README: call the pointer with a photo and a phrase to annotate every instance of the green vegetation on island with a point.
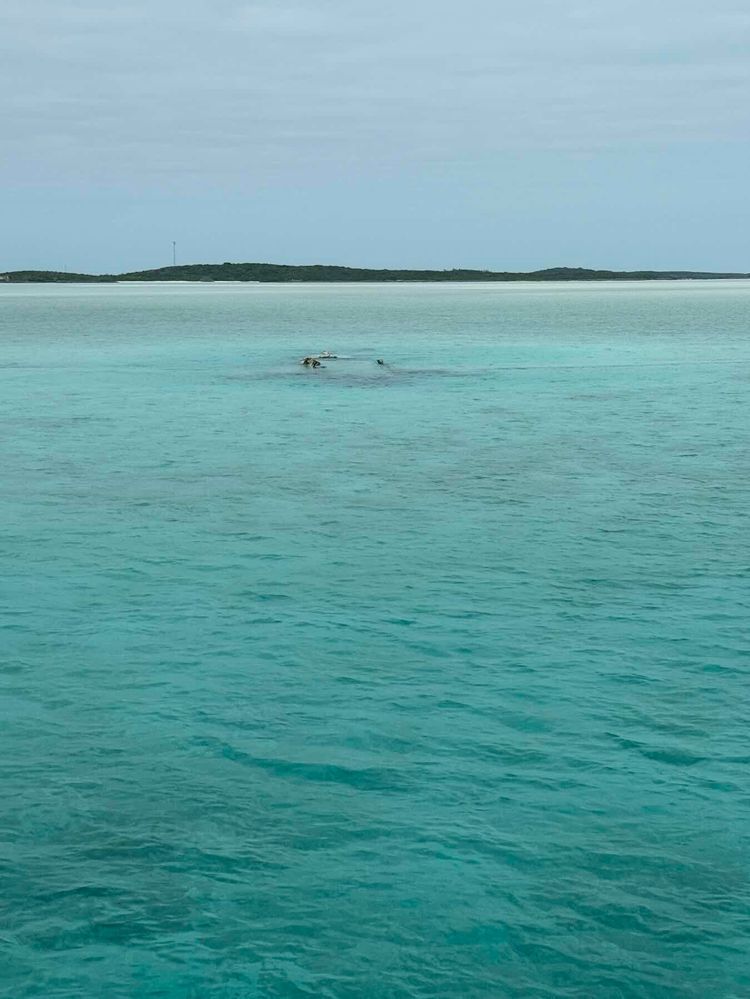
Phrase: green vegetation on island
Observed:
(279, 273)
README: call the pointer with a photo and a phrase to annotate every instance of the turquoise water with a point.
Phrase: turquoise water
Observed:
(422, 681)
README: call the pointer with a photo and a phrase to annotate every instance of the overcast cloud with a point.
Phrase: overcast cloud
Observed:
(420, 132)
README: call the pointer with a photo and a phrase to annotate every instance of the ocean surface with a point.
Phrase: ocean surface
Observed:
(425, 680)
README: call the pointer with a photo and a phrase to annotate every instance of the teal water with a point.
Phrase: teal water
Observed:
(423, 681)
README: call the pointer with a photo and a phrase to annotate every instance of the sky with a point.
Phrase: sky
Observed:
(402, 133)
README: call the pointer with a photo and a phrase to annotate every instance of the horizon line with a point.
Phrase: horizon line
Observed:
(274, 273)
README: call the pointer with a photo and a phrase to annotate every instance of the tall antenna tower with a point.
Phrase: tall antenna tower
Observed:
(174, 253)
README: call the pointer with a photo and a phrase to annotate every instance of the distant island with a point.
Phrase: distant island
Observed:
(280, 273)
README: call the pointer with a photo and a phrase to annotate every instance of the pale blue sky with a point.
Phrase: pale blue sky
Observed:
(418, 133)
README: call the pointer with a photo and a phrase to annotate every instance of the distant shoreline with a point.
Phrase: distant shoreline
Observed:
(322, 273)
